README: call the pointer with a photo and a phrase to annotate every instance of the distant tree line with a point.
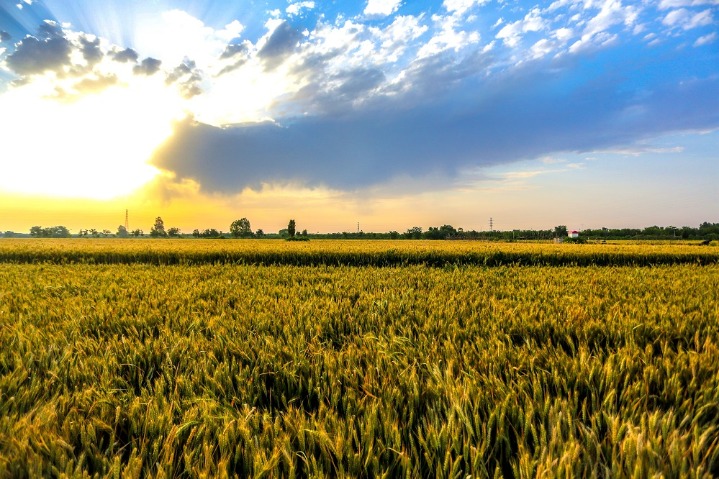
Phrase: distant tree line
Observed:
(704, 231)
(241, 228)
(50, 232)
(444, 232)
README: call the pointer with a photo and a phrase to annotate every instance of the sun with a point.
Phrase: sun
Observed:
(95, 146)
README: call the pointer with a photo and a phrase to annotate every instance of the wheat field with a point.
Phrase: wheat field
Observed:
(116, 364)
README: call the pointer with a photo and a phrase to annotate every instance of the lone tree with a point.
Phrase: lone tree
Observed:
(158, 229)
(241, 228)
(291, 228)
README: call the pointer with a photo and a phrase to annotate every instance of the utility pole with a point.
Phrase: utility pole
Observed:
(127, 221)
(491, 225)
(358, 227)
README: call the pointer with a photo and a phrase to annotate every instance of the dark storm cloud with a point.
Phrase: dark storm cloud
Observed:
(126, 55)
(49, 29)
(183, 69)
(359, 81)
(148, 66)
(188, 76)
(50, 50)
(233, 66)
(347, 87)
(468, 123)
(34, 56)
(91, 50)
(5, 36)
(238, 53)
(340, 93)
(280, 45)
(234, 49)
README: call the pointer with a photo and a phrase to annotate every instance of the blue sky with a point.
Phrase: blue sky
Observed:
(391, 112)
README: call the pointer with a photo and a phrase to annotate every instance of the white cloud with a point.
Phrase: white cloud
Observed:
(595, 42)
(344, 46)
(597, 30)
(706, 39)
(541, 48)
(701, 19)
(328, 38)
(558, 4)
(563, 34)
(511, 34)
(395, 38)
(448, 37)
(545, 46)
(533, 21)
(458, 7)
(382, 7)
(642, 150)
(611, 13)
(295, 8)
(687, 20)
(676, 17)
(667, 4)
(245, 95)
(176, 35)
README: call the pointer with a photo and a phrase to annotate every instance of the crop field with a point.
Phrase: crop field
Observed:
(348, 253)
(195, 358)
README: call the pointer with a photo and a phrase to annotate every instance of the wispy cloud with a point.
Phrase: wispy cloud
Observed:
(381, 7)
(706, 39)
(294, 9)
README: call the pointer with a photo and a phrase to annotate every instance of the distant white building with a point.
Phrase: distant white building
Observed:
(573, 234)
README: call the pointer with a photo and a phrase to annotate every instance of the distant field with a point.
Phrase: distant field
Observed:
(194, 358)
(348, 252)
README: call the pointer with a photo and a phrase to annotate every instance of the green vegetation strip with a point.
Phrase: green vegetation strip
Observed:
(283, 371)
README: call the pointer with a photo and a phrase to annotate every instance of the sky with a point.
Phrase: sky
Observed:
(377, 114)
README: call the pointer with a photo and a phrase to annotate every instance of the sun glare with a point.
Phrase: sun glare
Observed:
(93, 146)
